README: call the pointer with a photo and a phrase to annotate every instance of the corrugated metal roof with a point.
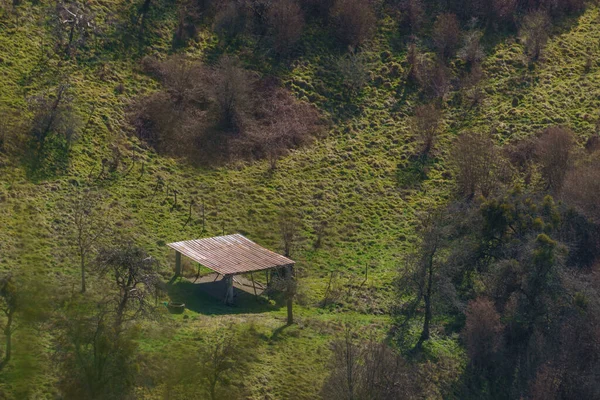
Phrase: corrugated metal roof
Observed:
(231, 254)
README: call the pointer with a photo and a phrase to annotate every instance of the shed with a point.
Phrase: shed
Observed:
(228, 256)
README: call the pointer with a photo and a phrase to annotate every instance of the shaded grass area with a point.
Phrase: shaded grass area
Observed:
(350, 179)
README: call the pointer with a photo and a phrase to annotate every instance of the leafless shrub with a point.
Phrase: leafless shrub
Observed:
(426, 124)
(433, 77)
(413, 15)
(354, 21)
(471, 51)
(582, 188)
(354, 68)
(286, 20)
(188, 15)
(232, 91)
(446, 35)
(477, 164)
(223, 113)
(368, 371)
(554, 150)
(135, 278)
(231, 20)
(74, 24)
(482, 332)
(534, 33)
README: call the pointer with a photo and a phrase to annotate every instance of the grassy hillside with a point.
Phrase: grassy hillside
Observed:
(349, 178)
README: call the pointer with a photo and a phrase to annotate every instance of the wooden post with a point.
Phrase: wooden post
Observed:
(253, 285)
(290, 293)
(177, 264)
(228, 289)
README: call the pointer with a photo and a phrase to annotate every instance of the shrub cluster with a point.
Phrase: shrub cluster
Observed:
(222, 113)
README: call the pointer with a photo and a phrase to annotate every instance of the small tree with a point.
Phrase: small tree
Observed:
(354, 21)
(425, 124)
(477, 164)
(76, 22)
(446, 35)
(482, 332)
(354, 69)
(286, 20)
(554, 152)
(425, 272)
(581, 189)
(232, 91)
(135, 277)
(471, 51)
(52, 129)
(534, 33)
(368, 370)
(231, 20)
(9, 305)
(90, 222)
(96, 360)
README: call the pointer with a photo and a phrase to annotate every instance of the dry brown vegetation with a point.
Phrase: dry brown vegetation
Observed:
(221, 114)
(354, 21)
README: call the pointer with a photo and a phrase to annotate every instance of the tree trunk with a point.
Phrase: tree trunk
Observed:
(82, 273)
(177, 264)
(290, 310)
(427, 299)
(8, 335)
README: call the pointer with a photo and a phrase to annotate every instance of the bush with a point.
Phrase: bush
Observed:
(554, 150)
(433, 77)
(286, 21)
(231, 90)
(354, 69)
(534, 34)
(213, 115)
(446, 35)
(582, 188)
(425, 124)
(51, 132)
(471, 51)
(482, 332)
(369, 371)
(477, 164)
(354, 21)
(231, 20)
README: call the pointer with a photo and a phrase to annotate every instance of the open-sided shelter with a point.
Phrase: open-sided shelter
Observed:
(229, 256)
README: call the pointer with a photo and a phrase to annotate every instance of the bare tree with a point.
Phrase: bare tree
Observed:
(354, 21)
(354, 68)
(75, 21)
(554, 151)
(446, 35)
(482, 332)
(9, 304)
(96, 359)
(232, 92)
(286, 20)
(363, 369)
(135, 277)
(90, 222)
(425, 124)
(581, 188)
(425, 276)
(224, 356)
(534, 33)
(471, 51)
(478, 164)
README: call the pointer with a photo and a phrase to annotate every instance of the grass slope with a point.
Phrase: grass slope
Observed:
(348, 178)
